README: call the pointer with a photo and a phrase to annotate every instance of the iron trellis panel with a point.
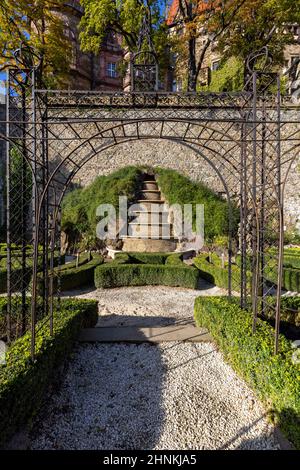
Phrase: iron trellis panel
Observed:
(238, 134)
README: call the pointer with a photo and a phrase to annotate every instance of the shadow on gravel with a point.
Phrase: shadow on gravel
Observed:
(142, 321)
(109, 398)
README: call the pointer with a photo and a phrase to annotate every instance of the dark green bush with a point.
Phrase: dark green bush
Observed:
(289, 312)
(122, 258)
(178, 189)
(23, 382)
(174, 259)
(290, 278)
(17, 271)
(291, 274)
(275, 379)
(71, 278)
(117, 275)
(214, 273)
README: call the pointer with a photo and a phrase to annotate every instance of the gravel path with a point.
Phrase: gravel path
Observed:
(145, 306)
(170, 396)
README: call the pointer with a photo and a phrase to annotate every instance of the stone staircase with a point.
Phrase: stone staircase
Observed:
(149, 227)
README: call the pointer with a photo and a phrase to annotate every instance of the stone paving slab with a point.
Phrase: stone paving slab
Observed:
(132, 334)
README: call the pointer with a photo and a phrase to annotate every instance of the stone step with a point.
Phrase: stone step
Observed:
(145, 236)
(132, 334)
(148, 202)
(150, 185)
(150, 230)
(149, 245)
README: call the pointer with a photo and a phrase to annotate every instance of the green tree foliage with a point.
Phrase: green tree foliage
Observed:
(260, 23)
(123, 18)
(37, 25)
(199, 25)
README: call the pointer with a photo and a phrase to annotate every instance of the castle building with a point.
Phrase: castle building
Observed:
(90, 71)
(213, 57)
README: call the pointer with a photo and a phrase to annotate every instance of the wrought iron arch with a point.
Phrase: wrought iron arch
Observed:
(241, 131)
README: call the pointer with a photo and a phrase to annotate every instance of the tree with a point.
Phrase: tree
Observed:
(201, 24)
(38, 26)
(123, 18)
(260, 23)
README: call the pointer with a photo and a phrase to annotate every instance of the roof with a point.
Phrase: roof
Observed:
(174, 8)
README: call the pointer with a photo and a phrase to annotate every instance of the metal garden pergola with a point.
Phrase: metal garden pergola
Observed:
(248, 138)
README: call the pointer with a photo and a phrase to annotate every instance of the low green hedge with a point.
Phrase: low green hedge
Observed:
(290, 278)
(289, 312)
(122, 258)
(275, 379)
(174, 259)
(214, 273)
(72, 277)
(23, 382)
(118, 275)
(291, 271)
(17, 270)
(291, 257)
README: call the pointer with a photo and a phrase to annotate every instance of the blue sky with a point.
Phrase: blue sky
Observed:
(2, 84)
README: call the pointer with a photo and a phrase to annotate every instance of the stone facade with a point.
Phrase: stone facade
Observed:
(166, 154)
(90, 71)
(213, 57)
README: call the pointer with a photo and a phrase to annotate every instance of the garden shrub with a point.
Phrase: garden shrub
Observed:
(23, 382)
(17, 270)
(289, 311)
(122, 258)
(174, 259)
(79, 206)
(71, 278)
(290, 278)
(214, 273)
(275, 379)
(178, 189)
(117, 275)
(291, 271)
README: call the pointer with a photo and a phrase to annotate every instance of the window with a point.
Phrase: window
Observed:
(111, 69)
(215, 65)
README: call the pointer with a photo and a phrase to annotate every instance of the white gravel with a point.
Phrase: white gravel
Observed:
(171, 396)
(168, 396)
(145, 306)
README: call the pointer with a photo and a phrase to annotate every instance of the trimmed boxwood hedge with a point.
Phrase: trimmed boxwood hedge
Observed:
(118, 275)
(174, 259)
(289, 312)
(214, 273)
(291, 257)
(72, 277)
(23, 382)
(275, 379)
(291, 271)
(17, 271)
